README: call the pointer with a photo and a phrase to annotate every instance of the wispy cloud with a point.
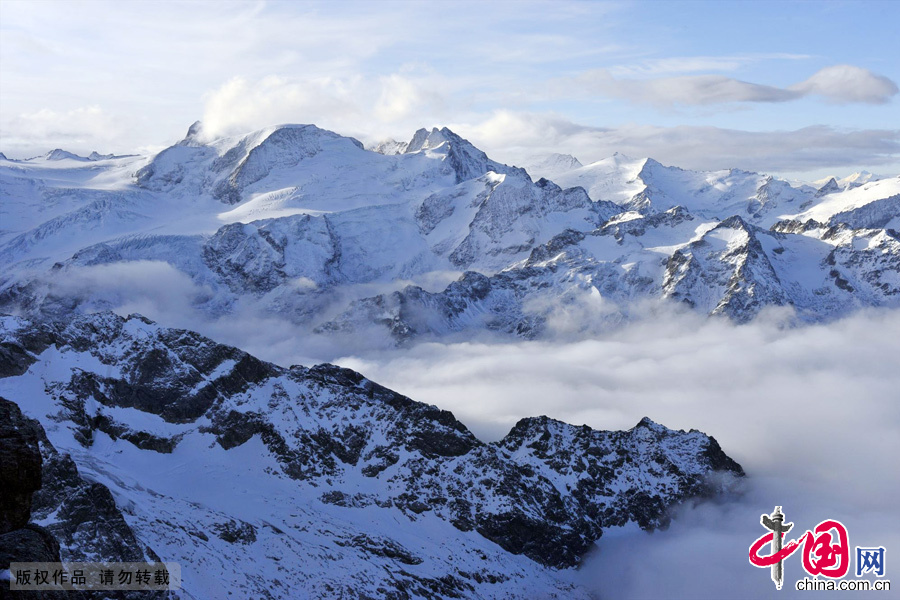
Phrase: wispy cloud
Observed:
(368, 107)
(692, 64)
(686, 90)
(839, 83)
(846, 84)
(82, 129)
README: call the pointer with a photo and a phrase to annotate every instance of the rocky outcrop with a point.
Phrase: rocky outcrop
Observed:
(466, 161)
(80, 520)
(20, 477)
(20, 466)
(546, 491)
(83, 516)
(595, 466)
(726, 272)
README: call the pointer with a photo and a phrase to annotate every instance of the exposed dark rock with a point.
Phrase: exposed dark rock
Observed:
(20, 466)
(86, 525)
(545, 491)
(33, 543)
(234, 532)
(14, 360)
(30, 543)
(382, 547)
(602, 461)
(86, 520)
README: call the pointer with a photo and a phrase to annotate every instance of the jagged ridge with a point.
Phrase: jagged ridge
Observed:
(344, 440)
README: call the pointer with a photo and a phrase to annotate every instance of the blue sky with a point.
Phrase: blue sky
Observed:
(800, 89)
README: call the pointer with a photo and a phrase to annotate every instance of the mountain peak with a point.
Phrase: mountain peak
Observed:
(59, 154)
(194, 132)
(648, 423)
(552, 165)
(830, 187)
(466, 160)
(622, 157)
(389, 147)
(857, 179)
(427, 140)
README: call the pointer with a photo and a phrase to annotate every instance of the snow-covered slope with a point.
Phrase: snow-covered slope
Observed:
(646, 186)
(551, 166)
(316, 482)
(307, 225)
(868, 205)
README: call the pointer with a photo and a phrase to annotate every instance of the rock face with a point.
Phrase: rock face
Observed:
(79, 520)
(20, 466)
(594, 466)
(20, 476)
(132, 401)
(83, 516)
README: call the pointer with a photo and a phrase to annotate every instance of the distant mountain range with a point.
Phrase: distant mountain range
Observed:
(304, 223)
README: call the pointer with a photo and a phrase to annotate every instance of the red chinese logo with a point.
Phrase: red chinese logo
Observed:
(826, 549)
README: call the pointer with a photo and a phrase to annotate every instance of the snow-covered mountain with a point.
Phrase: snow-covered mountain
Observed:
(432, 237)
(315, 481)
(549, 167)
(274, 482)
(832, 184)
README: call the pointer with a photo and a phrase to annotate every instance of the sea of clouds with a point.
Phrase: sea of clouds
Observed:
(812, 412)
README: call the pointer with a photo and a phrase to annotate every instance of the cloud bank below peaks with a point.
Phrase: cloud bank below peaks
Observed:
(809, 412)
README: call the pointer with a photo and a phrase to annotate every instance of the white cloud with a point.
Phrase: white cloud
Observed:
(847, 84)
(240, 105)
(809, 412)
(83, 129)
(839, 83)
(150, 287)
(346, 67)
(370, 108)
(687, 90)
(403, 98)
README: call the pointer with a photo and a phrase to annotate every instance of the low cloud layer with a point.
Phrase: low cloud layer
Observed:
(82, 128)
(810, 413)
